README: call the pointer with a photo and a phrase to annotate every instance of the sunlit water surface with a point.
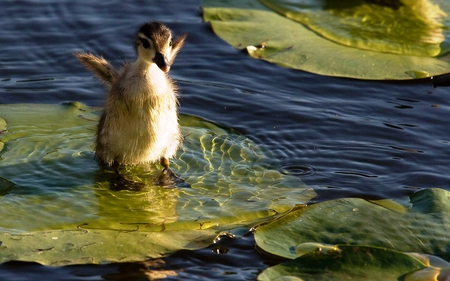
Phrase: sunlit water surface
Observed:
(344, 138)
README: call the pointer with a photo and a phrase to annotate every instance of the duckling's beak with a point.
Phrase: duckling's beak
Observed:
(162, 62)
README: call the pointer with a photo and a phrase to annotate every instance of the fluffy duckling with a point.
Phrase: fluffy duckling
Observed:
(139, 123)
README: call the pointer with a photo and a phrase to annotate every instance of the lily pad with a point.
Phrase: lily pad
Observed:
(265, 34)
(400, 27)
(58, 208)
(345, 262)
(423, 228)
(81, 246)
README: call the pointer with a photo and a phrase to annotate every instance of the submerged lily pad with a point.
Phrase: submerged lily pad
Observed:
(59, 209)
(423, 228)
(248, 24)
(345, 262)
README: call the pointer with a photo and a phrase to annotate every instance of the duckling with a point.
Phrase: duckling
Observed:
(139, 123)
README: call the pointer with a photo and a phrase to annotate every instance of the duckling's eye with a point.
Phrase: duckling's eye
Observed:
(170, 44)
(145, 43)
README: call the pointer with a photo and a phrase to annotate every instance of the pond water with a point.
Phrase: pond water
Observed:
(342, 137)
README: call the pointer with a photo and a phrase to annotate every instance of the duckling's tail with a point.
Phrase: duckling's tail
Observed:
(101, 68)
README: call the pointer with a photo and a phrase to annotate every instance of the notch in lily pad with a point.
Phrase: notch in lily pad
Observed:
(306, 35)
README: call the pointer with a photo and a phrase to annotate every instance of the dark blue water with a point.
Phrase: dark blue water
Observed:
(342, 137)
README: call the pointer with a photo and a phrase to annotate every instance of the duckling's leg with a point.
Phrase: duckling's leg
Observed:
(121, 183)
(167, 176)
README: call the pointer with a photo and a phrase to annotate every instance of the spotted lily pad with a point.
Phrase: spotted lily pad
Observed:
(58, 208)
(267, 33)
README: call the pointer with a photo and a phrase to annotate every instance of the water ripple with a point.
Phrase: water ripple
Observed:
(298, 170)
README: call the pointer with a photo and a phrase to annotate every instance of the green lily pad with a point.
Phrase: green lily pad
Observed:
(81, 246)
(423, 229)
(58, 208)
(265, 34)
(400, 27)
(345, 262)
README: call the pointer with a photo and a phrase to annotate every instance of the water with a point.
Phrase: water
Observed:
(343, 137)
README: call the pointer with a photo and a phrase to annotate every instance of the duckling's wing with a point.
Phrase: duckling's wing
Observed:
(102, 68)
(176, 46)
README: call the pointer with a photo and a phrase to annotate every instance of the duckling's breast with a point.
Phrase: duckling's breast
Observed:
(140, 125)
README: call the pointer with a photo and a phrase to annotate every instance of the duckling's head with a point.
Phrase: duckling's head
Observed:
(154, 44)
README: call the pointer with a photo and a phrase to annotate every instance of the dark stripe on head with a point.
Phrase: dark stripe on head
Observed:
(157, 32)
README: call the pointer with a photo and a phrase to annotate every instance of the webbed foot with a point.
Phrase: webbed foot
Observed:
(169, 179)
(121, 183)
